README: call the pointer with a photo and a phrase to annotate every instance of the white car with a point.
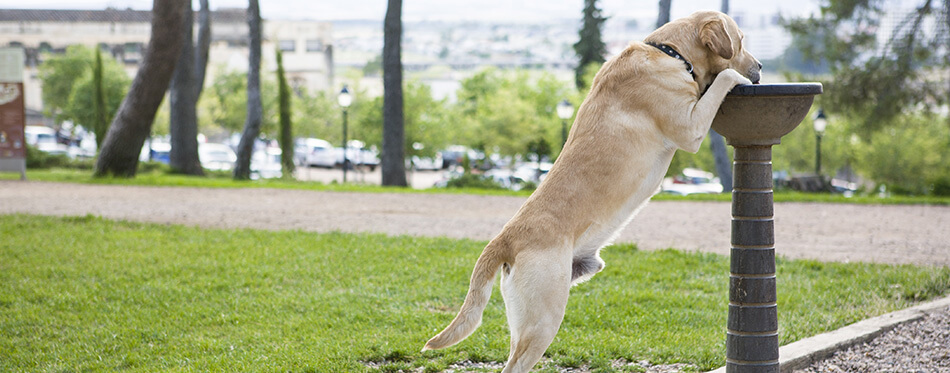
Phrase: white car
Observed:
(427, 163)
(265, 164)
(692, 181)
(315, 152)
(44, 139)
(358, 154)
(216, 157)
(321, 153)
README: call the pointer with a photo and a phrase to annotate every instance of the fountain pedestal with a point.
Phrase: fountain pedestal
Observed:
(752, 119)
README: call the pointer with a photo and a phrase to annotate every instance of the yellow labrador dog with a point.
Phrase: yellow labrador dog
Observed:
(654, 98)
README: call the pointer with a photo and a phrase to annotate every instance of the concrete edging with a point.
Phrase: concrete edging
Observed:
(801, 354)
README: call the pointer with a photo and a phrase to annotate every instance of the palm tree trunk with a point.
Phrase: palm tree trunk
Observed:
(252, 125)
(723, 164)
(663, 16)
(718, 145)
(393, 162)
(133, 122)
(204, 44)
(183, 121)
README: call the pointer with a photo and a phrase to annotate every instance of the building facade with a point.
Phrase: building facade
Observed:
(307, 45)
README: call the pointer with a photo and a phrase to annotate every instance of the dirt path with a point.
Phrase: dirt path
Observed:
(831, 232)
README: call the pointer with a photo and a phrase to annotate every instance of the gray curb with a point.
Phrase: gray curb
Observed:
(801, 354)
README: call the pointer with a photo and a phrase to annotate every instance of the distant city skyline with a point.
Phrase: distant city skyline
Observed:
(451, 10)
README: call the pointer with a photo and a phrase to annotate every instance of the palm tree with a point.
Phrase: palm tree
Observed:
(664, 14)
(252, 125)
(133, 122)
(393, 162)
(183, 96)
(718, 145)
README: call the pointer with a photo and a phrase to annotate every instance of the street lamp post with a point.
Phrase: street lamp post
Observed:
(564, 111)
(344, 99)
(820, 124)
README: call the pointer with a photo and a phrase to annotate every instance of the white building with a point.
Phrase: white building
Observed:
(307, 45)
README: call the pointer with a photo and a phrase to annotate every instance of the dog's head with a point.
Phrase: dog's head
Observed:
(711, 42)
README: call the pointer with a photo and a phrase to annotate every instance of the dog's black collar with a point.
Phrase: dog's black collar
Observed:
(673, 53)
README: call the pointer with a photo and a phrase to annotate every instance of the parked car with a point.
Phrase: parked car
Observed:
(692, 181)
(159, 152)
(533, 171)
(427, 163)
(265, 163)
(216, 157)
(453, 155)
(44, 139)
(506, 178)
(314, 152)
(358, 154)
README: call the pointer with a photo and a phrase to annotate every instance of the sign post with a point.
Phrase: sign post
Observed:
(12, 112)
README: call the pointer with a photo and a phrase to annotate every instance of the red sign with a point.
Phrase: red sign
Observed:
(12, 121)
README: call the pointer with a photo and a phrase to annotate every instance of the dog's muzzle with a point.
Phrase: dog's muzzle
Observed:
(756, 73)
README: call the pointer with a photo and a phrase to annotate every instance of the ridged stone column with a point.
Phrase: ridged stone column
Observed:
(752, 336)
(752, 118)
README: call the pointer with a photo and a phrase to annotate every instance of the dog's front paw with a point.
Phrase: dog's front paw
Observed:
(734, 77)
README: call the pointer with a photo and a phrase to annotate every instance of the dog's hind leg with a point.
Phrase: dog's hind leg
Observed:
(535, 289)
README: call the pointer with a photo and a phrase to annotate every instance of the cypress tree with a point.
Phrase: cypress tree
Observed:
(100, 127)
(590, 48)
(286, 136)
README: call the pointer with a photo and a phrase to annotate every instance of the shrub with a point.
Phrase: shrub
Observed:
(910, 157)
(468, 180)
(39, 159)
(941, 186)
(152, 166)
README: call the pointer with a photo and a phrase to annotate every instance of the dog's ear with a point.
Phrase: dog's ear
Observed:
(715, 37)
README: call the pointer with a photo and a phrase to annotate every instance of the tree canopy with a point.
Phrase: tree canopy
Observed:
(885, 59)
(69, 88)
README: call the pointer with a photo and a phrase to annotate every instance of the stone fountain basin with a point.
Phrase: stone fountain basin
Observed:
(760, 114)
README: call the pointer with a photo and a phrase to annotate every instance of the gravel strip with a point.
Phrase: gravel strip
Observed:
(898, 234)
(918, 346)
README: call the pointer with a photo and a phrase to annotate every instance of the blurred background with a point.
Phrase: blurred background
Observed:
(490, 87)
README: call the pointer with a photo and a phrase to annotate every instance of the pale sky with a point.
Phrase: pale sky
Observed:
(414, 10)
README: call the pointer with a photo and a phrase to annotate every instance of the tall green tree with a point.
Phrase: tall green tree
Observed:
(69, 88)
(394, 138)
(100, 126)
(502, 112)
(880, 71)
(59, 74)
(119, 154)
(252, 124)
(286, 134)
(225, 102)
(590, 48)
(428, 122)
(84, 102)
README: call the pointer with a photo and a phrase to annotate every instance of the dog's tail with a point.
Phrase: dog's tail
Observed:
(470, 316)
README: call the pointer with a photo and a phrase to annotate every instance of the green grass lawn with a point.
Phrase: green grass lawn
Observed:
(88, 294)
(222, 180)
